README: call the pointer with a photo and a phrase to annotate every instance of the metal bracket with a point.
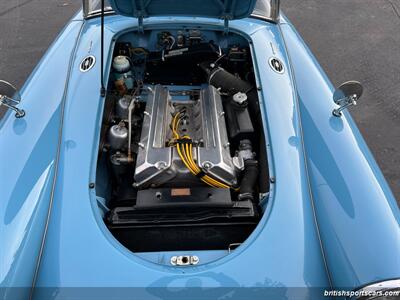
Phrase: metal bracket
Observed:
(226, 24)
(140, 24)
(233, 246)
(184, 260)
(12, 104)
(343, 104)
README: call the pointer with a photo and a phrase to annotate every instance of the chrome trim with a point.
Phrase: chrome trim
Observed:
(97, 13)
(274, 18)
(275, 10)
(393, 283)
(85, 8)
(263, 18)
(378, 287)
(184, 260)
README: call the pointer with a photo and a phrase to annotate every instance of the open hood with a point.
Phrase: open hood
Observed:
(221, 9)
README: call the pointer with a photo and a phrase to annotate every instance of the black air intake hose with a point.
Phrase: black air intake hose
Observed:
(249, 180)
(222, 79)
(250, 172)
(230, 84)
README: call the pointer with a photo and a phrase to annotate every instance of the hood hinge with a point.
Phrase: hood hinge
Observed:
(226, 19)
(140, 23)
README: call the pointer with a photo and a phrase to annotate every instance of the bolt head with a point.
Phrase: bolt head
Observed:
(161, 165)
(207, 165)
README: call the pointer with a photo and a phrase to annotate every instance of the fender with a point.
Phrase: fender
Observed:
(351, 196)
(29, 150)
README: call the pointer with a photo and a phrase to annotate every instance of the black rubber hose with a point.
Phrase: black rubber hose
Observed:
(225, 81)
(249, 180)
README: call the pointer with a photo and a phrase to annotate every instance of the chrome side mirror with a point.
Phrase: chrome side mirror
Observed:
(10, 98)
(345, 95)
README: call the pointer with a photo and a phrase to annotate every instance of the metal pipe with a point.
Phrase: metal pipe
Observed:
(130, 111)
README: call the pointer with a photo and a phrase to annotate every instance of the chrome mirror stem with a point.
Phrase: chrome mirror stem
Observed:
(344, 103)
(347, 94)
(11, 104)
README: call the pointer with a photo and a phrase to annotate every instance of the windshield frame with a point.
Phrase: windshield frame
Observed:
(270, 16)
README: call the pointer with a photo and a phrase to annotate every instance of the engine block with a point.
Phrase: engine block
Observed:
(158, 163)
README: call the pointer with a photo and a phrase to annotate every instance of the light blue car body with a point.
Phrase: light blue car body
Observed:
(330, 220)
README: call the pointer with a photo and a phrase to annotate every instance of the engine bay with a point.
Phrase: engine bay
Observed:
(182, 160)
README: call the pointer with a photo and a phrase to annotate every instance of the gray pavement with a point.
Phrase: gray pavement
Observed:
(352, 39)
(27, 28)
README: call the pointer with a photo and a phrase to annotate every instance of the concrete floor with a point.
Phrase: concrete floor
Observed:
(352, 39)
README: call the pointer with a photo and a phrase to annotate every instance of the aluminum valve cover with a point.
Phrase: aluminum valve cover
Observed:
(158, 163)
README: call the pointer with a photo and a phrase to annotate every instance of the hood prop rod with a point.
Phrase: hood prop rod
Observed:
(102, 89)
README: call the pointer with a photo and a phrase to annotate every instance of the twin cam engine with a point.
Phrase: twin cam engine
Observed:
(182, 142)
(186, 135)
(176, 120)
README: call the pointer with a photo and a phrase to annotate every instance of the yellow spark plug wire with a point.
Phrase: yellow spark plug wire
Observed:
(185, 152)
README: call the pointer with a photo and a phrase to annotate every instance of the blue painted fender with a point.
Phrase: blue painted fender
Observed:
(357, 214)
(28, 151)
